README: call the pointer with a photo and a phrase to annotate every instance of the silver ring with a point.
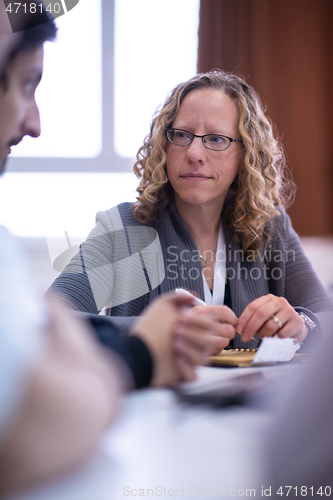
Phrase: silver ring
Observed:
(277, 321)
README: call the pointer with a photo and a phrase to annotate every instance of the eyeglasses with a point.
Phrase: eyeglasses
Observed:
(210, 141)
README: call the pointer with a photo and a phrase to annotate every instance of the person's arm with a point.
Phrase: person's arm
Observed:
(294, 288)
(73, 392)
(166, 343)
(116, 266)
(86, 283)
(304, 291)
(71, 397)
(132, 350)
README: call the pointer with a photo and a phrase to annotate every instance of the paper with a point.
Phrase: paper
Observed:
(274, 349)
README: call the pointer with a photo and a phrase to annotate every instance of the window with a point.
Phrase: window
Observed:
(70, 94)
(94, 123)
(113, 63)
(155, 48)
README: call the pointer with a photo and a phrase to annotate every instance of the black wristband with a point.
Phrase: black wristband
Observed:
(132, 350)
(141, 361)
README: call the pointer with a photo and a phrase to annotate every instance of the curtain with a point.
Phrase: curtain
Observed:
(284, 50)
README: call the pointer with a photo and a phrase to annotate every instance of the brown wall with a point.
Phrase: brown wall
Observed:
(284, 48)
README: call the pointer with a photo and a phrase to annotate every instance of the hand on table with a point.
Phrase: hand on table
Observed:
(177, 338)
(221, 321)
(258, 316)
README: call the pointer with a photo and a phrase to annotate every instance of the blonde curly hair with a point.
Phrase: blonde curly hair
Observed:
(263, 182)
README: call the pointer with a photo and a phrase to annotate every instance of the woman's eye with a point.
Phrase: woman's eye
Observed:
(217, 139)
(180, 135)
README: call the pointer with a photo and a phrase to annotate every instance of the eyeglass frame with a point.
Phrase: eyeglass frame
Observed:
(202, 137)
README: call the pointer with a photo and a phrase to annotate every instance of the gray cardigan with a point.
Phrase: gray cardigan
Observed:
(124, 265)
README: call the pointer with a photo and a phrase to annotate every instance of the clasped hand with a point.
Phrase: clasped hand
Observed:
(257, 317)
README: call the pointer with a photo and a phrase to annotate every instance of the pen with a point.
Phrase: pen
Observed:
(196, 301)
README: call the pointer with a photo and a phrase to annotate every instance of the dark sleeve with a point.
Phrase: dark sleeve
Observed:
(132, 350)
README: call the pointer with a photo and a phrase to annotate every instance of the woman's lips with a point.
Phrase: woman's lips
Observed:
(195, 177)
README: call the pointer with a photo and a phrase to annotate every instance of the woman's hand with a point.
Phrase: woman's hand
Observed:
(221, 323)
(178, 339)
(258, 316)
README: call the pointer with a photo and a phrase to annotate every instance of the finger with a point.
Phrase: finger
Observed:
(219, 333)
(269, 329)
(197, 338)
(193, 322)
(221, 343)
(219, 313)
(262, 321)
(180, 299)
(225, 314)
(186, 372)
(217, 344)
(249, 312)
(213, 345)
(215, 328)
(292, 327)
(196, 327)
(196, 345)
(206, 322)
(190, 353)
(201, 340)
(224, 330)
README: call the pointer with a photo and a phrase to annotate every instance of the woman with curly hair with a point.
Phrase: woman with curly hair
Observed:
(209, 218)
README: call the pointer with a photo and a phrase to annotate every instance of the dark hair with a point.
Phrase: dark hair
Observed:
(36, 29)
(39, 27)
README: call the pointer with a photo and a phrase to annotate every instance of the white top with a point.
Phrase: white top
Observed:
(22, 316)
(217, 298)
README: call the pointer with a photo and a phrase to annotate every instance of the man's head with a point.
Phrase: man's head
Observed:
(19, 115)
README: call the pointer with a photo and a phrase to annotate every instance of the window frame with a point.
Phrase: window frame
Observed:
(108, 160)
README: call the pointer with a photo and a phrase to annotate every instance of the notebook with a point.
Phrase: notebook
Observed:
(271, 350)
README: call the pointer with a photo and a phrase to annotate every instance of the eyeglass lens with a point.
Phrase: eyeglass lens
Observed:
(210, 141)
